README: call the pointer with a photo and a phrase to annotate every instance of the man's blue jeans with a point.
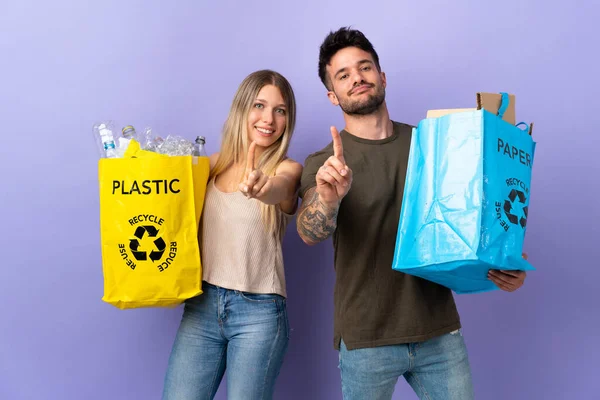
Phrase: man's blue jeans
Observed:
(245, 334)
(437, 369)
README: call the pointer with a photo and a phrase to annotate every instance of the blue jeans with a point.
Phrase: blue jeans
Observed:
(247, 334)
(437, 369)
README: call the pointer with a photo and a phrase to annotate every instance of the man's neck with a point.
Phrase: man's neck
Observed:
(374, 126)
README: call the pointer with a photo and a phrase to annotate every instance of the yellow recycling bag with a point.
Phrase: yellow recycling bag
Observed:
(150, 208)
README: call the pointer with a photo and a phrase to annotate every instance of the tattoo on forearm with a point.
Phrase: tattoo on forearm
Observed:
(316, 222)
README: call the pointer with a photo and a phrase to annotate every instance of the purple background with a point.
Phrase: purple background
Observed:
(175, 66)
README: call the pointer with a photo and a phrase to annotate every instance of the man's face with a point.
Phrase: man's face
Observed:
(357, 87)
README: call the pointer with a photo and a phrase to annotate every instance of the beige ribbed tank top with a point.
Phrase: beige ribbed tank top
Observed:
(237, 251)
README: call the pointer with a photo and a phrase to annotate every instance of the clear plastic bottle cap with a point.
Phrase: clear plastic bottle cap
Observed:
(128, 130)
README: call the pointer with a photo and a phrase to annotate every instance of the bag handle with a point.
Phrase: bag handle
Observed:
(526, 130)
(504, 102)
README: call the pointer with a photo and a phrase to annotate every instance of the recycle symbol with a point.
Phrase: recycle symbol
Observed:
(509, 208)
(159, 243)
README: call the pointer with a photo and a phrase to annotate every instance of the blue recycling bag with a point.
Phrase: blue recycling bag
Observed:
(466, 200)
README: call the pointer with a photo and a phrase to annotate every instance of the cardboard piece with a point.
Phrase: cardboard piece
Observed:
(487, 101)
(491, 102)
(441, 113)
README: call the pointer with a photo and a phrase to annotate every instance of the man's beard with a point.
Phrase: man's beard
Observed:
(365, 107)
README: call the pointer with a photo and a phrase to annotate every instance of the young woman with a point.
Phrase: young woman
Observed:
(239, 323)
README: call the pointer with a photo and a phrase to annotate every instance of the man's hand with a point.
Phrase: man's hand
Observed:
(334, 178)
(509, 281)
(317, 217)
(256, 184)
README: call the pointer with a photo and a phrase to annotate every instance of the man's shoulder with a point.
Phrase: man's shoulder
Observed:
(402, 125)
(321, 154)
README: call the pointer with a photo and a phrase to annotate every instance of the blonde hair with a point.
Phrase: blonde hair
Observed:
(234, 145)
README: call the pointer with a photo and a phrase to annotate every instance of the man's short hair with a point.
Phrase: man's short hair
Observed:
(338, 40)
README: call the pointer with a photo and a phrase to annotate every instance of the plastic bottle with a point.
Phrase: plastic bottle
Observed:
(130, 133)
(105, 140)
(199, 150)
(149, 140)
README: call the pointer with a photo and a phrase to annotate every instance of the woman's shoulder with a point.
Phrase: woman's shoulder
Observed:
(291, 166)
(291, 163)
(213, 159)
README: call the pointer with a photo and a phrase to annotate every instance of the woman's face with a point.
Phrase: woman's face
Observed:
(267, 117)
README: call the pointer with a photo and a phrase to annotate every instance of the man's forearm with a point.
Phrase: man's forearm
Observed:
(316, 221)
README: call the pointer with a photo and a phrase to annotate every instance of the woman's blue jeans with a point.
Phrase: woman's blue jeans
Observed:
(245, 334)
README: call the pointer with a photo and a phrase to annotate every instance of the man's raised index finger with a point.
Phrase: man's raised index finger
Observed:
(338, 149)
